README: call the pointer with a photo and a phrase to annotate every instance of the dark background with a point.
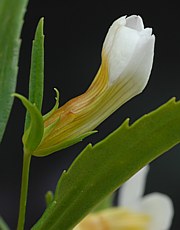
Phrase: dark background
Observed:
(74, 33)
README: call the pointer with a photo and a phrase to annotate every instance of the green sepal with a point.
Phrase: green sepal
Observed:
(46, 116)
(33, 135)
(54, 148)
(49, 129)
(99, 170)
(36, 81)
(3, 225)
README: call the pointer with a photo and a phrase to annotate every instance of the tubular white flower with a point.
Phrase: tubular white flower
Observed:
(157, 206)
(127, 57)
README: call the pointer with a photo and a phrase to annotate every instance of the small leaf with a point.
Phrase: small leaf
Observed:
(11, 21)
(101, 169)
(36, 83)
(33, 135)
(3, 225)
(49, 198)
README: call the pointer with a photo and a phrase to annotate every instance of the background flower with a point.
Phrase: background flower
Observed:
(156, 205)
(134, 212)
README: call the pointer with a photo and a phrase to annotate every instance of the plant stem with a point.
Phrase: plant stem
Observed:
(24, 190)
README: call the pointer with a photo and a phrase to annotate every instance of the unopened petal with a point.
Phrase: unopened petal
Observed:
(133, 190)
(124, 44)
(160, 208)
(125, 41)
(112, 32)
(135, 22)
(137, 72)
(146, 32)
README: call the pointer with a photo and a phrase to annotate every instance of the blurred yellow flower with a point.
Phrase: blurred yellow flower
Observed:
(135, 212)
(115, 219)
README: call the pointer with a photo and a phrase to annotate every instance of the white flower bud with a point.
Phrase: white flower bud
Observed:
(129, 50)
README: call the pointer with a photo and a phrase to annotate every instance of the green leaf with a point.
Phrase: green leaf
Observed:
(3, 225)
(33, 135)
(11, 21)
(101, 169)
(36, 82)
(106, 203)
(49, 198)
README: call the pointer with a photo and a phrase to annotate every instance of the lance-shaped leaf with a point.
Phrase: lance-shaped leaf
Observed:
(33, 135)
(11, 20)
(3, 225)
(36, 82)
(102, 168)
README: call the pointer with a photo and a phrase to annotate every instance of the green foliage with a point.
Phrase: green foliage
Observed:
(49, 197)
(3, 225)
(33, 135)
(101, 169)
(36, 82)
(11, 20)
(34, 126)
(106, 203)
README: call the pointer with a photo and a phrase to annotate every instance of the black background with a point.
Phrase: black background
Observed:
(74, 33)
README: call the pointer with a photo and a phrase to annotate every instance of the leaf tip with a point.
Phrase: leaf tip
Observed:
(40, 28)
(14, 94)
(126, 123)
(19, 96)
(57, 97)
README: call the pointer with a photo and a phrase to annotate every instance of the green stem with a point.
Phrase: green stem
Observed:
(24, 190)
